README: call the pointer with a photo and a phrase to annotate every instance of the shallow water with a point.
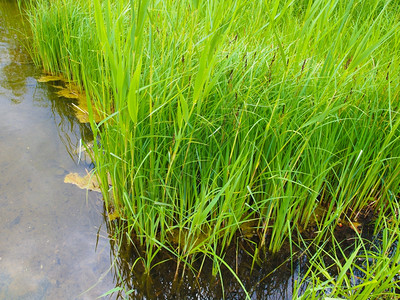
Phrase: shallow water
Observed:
(51, 246)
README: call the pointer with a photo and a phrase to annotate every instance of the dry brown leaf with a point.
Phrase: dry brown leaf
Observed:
(109, 179)
(88, 182)
(72, 91)
(81, 111)
(249, 228)
(67, 93)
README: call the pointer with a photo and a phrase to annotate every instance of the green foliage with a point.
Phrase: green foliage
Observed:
(368, 271)
(217, 113)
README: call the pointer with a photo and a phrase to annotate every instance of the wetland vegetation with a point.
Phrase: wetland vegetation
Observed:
(247, 125)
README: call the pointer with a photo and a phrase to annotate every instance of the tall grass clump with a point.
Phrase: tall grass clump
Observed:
(221, 115)
(367, 270)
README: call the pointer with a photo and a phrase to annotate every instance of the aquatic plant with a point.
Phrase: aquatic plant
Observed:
(220, 116)
(367, 269)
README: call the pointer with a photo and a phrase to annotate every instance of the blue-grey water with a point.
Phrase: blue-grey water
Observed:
(53, 242)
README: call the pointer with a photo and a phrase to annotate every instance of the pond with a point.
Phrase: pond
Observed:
(54, 244)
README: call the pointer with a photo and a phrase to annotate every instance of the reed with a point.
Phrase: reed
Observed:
(220, 115)
(369, 269)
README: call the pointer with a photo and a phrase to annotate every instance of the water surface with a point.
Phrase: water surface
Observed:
(49, 230)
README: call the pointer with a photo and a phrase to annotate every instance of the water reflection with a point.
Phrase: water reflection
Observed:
(15, 65)
(14, 62)
(273, 277)
(72, 133)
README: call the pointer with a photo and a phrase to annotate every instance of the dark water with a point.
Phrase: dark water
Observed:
(272, 277)
(48, 229)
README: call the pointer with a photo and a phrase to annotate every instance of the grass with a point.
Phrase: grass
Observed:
(369, 269)
(220, 115)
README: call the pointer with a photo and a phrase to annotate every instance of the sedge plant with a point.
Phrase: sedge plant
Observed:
(219, 114)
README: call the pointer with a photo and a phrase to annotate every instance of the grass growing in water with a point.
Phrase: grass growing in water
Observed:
(224, 115)
(368, 269)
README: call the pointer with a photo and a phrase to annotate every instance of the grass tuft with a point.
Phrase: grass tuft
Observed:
(220, 114)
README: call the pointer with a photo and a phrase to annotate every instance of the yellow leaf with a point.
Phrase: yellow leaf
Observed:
(67, 93)
(88, 182)
(114, 215)
(72, 91)
(48, 78)
(357, 227)
(81, 111)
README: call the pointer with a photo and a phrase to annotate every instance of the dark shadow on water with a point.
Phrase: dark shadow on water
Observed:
(272, 277)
